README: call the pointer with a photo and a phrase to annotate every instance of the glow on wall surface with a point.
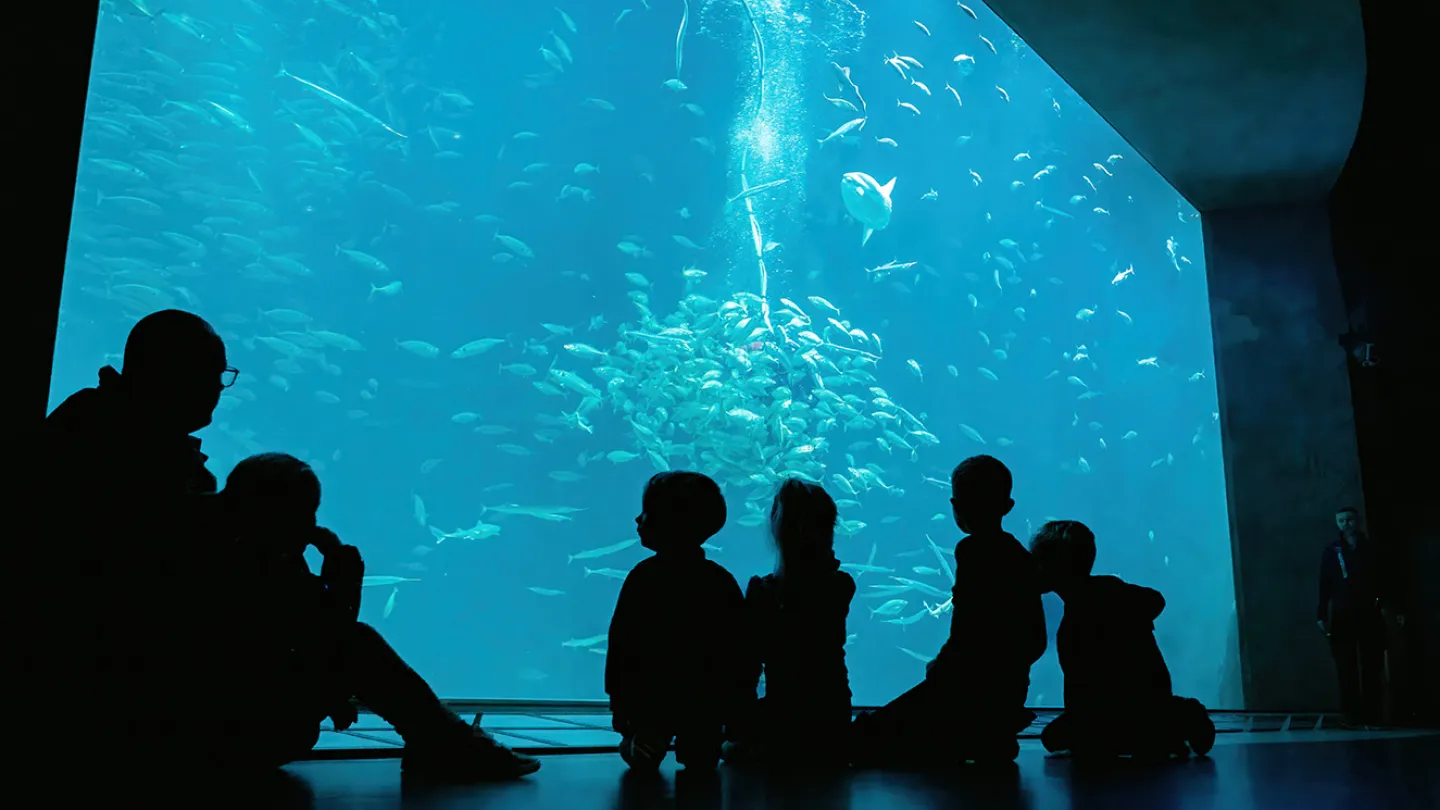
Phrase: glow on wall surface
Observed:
(488, 270)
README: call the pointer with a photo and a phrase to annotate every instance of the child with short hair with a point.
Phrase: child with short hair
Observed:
(1118, 697)
(273, 499)
(796, 619)
(675, 662)
(295, 619)
(971, 705)
(300, 618)
(308, 626)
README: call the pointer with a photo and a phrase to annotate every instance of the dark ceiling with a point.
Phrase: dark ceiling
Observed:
(1234, 102)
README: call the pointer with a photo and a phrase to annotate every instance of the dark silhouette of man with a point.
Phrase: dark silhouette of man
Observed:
(1352, 598)
(119, 484)
(139, 598)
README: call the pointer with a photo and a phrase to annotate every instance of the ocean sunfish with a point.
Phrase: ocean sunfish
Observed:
(867, 201)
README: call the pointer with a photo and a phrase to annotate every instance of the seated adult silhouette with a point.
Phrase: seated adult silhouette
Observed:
(141, 592)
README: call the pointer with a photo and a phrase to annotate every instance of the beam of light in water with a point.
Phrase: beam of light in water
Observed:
(759, 58)
(761, 138)
(759, 254)
(680, 38)
(766, 143)
(769, 140)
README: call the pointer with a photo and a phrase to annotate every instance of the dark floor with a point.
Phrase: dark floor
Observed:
(1309, 770)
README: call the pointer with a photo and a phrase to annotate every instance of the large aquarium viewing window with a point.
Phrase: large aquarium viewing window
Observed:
(489, 267)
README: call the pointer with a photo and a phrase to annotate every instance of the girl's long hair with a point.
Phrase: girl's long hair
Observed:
(802, 523)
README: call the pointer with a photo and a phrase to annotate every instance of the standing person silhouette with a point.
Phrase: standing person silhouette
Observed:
(138, 588)
(1350, 613)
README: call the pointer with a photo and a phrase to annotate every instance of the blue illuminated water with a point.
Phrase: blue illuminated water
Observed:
(1093, 381)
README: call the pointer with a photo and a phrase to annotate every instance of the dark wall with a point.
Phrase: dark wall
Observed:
(1297, 292)
(1234, 102)
(1385, 237)
(50, 46)
(1290, 446)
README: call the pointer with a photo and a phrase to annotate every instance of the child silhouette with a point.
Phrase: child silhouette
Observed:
(796, 619)
(320, 656)
(675, 661)
(1118, 697)
(971, 705)
(273, 498)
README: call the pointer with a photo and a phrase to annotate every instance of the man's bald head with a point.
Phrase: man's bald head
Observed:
(174, 365)
(173, 342)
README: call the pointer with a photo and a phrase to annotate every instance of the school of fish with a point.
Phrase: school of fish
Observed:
(208, 149)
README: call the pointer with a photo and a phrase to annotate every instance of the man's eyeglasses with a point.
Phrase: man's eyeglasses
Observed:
(228, 376)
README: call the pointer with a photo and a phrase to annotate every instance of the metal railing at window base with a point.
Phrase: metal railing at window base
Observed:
(531, 707)
(1230, 719)
(582, 707)
(601, 706)
(1226, 720)
(551, 707)
(1252, 721)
